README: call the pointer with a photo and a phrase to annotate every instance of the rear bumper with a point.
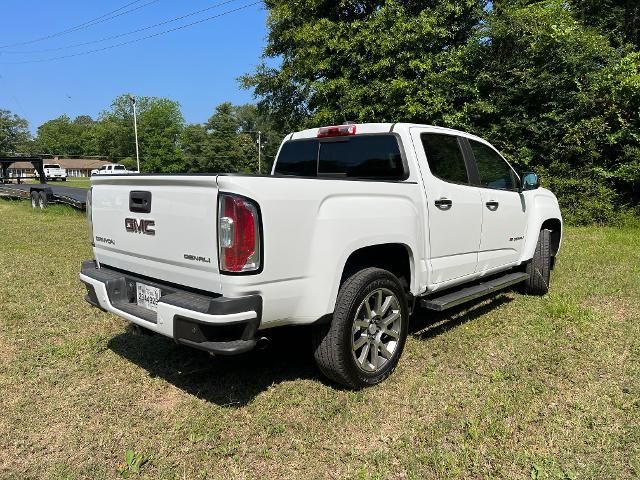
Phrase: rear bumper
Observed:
(216, 324)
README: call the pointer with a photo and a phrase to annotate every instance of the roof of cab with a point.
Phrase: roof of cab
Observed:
(368, 128)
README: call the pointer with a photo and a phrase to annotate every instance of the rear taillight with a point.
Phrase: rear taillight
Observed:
(238, 234)
(337, 131)
(89, 214)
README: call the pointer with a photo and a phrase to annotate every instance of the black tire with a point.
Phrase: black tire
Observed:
(333, 343)
(44, 200)
(35, 199)
(539, 268)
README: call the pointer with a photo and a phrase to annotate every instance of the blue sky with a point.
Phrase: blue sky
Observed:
(196, 66)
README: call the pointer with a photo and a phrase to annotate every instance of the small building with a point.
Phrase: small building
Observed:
(76, 167)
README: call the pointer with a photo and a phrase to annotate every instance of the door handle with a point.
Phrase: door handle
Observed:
(443, 203)
(492, 205)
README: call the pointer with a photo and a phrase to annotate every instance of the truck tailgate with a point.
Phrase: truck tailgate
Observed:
(174, 240)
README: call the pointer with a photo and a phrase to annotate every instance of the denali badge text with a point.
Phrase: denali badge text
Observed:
(133, 225)
(197, 258)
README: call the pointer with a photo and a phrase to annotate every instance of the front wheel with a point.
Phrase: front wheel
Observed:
(363, 343)
(539, 268)
(35, 199)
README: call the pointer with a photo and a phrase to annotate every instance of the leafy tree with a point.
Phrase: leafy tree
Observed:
(618, 19)
(192, 144)
(14, 133)
(66, 137)
(224, 143)
(555, 95)
(160, 124)
(366, 61)
(252, 120)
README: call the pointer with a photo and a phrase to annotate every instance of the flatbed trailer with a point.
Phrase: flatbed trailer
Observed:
(41, 195)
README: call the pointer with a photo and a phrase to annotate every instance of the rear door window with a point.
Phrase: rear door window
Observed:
(445, 157)
(365, 156)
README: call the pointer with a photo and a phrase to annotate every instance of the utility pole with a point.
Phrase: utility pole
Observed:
(259, 152)
(135, 129)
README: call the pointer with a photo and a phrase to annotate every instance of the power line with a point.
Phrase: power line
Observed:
(15, 99)
(135, 40)
(113, 37)
(87, 24)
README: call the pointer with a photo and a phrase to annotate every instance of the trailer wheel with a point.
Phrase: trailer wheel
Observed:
(44, 200)
(35, 199)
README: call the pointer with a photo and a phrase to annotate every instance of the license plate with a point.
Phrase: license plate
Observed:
(148, 296)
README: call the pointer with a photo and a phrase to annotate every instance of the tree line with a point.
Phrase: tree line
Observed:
(227, 142)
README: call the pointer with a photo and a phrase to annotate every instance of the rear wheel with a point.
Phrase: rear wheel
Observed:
(539, 268)
(35, 199)
(363, 343)
(43, 200)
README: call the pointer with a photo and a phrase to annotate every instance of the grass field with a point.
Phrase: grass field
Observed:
(81, 182)
(512, 387)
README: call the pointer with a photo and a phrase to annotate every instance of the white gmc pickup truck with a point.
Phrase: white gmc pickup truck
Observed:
(355, 226)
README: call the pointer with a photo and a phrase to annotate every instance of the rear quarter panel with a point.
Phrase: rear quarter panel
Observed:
(310, 228)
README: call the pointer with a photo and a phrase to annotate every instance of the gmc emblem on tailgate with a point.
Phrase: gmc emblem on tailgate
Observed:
(133, 225)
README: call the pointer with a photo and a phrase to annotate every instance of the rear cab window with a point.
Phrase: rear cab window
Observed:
(369, 156)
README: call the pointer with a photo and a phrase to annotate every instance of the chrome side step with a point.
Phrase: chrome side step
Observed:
(467, 294)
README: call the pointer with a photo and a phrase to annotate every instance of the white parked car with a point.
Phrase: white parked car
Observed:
(53, 171)
(112, 169)
(355, 227)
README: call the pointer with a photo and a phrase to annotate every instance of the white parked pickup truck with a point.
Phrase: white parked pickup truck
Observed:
(53, 171)
(355, 226)
(112, 169)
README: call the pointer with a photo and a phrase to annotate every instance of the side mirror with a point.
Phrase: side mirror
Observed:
(530, 181)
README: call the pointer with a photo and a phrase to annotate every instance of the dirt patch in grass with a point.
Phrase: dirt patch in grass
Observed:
(8, 352)
(617, 307)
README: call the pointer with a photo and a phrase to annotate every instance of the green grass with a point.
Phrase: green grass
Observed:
(80, 182)
(512, 387)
